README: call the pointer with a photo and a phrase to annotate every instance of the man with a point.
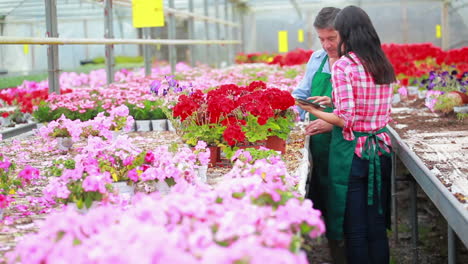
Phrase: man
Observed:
(317, 82)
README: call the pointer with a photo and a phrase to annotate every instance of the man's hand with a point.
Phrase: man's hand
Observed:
(318, 127)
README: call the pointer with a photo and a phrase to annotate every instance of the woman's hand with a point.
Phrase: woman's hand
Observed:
(323, 100)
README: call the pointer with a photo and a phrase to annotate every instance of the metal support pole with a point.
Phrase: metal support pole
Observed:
(218, 36)
(414, 219)
(207, 33)
(109, 33)
(146, 51)
(33, 57)
(235, 50)
(52, 50)
(227, 32)
(191, 28)
(241, 31)
(404, 24)
(452, 255)
(394, 199)
(85, 35)
(445, 25)
(172, 35)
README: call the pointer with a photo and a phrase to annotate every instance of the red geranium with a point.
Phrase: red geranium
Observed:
(230, 106)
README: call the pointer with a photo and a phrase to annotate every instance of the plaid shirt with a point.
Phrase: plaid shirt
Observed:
(363, 105)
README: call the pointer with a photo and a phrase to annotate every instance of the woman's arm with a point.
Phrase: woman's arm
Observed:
(327, 117)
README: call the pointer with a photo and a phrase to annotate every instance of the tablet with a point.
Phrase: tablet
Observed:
(305, 102)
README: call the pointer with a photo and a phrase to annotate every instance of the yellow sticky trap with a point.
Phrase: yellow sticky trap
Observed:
(147, 13)
(300, 35)
(438, 31)
(26, 49)
(12, 191)
(282, 41)
(115, 177)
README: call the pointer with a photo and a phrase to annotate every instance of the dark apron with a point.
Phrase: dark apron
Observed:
(319, 145)
(341, 157)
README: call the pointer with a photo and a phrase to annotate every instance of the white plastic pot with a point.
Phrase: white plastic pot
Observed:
(159, 124)
(64, 143)
(202, 173)
(124, 190)
(461, 109)
(413, 92)
(162, 187)
(396, 98)
(143, 125)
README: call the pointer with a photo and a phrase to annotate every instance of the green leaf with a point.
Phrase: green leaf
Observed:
(170, 181)
(79, 204)
(76, 242)
(88, 201)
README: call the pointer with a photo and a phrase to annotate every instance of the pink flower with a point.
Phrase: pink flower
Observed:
(29, 173)
(149, 158)
(4, 201)
(133, 175)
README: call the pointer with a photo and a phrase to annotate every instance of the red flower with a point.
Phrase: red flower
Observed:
(233, 134)
(5, 114)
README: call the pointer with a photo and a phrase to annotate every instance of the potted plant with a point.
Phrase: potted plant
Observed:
(79, 183)
(8, 184)
(232, 115)
(122, 167)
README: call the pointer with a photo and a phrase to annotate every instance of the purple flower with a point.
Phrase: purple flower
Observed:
(171, 81)
(154, 86)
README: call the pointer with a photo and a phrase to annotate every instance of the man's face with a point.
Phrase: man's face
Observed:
(329, 39)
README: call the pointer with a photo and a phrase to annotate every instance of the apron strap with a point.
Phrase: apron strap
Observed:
(371, 153)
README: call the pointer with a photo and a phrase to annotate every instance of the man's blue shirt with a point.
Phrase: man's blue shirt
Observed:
(303, 89)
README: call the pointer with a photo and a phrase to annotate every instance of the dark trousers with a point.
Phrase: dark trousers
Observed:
(364, 228)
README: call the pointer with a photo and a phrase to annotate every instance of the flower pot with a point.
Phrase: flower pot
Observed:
(83, 210)
(162, 187)
(116, 134)
(5, 121)
(463, 97)
(422, 94)
(461, 109)
(124, 190)
(413, 92)
(396, 98)
(143, 125)
(170, 127)
(159, 124)
(201, 173)
(64, 143)
(215, 155)
(276, 143)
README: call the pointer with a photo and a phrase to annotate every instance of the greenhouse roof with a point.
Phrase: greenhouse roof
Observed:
(30, 9)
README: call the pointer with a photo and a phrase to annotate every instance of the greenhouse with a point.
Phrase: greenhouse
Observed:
(233, 131)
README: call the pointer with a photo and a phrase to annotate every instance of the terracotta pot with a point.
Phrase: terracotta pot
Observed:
(215, 155)
(276, 143)
(463, 97)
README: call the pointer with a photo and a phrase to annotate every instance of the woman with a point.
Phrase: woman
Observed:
(360, 163)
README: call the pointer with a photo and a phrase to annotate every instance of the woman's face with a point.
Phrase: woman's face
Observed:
(329, 38)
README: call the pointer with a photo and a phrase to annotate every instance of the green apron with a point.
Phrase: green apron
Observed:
(341, 158)
(319, 145)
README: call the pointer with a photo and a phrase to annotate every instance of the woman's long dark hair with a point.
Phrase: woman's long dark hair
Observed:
(357, 34)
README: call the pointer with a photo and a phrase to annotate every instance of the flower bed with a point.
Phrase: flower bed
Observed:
(237, 194)
(439, 140)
